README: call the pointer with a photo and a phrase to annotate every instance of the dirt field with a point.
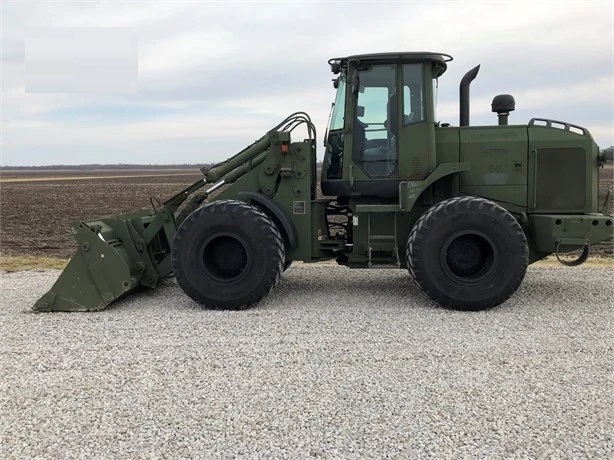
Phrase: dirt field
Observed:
(37, 207)
(35, 216)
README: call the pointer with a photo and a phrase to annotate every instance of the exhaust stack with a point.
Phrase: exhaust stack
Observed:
(464, 95)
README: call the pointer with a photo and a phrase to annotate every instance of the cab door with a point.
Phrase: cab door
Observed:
(375, 124)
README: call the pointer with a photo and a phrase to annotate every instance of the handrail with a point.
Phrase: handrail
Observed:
(565, 125)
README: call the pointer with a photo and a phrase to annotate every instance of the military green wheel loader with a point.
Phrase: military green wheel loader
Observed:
(465, 209)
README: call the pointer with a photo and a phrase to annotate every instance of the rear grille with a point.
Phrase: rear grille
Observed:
(561, 179)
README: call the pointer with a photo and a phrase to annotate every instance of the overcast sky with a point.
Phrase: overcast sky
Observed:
(213, 77)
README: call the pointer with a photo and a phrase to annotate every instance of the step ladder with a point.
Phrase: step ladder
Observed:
(371, 239)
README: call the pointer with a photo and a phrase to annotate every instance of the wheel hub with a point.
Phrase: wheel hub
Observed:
(225, 257)
(467, 257)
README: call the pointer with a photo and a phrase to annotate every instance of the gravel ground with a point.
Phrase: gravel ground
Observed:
(334, 364)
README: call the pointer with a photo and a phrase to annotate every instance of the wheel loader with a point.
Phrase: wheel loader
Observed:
(465, 209)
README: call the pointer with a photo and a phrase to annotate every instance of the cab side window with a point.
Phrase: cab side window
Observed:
(413, 94)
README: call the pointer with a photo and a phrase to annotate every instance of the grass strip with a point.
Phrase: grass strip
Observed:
(14, 264)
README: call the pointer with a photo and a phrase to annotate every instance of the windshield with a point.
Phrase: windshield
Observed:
(338, 108)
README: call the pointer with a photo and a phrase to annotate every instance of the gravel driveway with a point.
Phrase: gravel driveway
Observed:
(334, 364)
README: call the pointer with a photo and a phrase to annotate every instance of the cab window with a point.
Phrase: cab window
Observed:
(413, 94)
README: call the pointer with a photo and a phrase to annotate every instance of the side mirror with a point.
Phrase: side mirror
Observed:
(360, 111)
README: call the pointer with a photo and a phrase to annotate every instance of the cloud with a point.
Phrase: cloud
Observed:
(185, 51)
(220, 74)
(552, 96)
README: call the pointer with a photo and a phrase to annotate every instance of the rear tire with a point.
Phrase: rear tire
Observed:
(228, 255)
(467, 253)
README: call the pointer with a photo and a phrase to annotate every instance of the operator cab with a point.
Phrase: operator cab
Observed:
(379, 122)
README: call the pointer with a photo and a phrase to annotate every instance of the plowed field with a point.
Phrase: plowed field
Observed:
(35, 214)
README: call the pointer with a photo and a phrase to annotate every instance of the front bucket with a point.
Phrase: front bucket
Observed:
(114, 257)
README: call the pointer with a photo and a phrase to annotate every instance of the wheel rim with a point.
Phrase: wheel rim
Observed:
(225, 257)
(468, 257)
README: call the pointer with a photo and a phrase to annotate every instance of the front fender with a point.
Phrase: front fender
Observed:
(275, 212)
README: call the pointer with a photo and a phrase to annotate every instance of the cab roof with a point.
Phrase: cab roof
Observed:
(439, 59)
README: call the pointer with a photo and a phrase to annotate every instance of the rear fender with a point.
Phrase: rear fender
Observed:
(410, 191)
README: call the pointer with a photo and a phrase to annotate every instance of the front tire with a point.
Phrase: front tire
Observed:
(467, 253)
(228, 255)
